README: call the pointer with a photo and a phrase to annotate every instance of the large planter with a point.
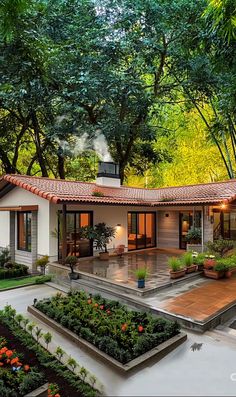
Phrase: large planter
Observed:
(209, 263)
(191, 269)
(73, 276)
(194, 247)
(214, 274)
(141, 283)
(178, 274)
(104, 256)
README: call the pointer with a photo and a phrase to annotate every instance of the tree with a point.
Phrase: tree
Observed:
(221, 14)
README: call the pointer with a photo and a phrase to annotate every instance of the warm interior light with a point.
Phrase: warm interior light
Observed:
(223, 206)
(118, 225)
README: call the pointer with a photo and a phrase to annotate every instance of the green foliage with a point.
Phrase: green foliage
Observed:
(221, 246)
(194, 235)
(4, 256)
(59, 353)
(43, 279)
(107, 324)
(47, 338)
(141, 273)
(14, 271)
(174, 264)
(187, 259)
(71, 261)
(101, 234)
(44, 357)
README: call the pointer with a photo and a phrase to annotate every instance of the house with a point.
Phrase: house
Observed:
(42, 216)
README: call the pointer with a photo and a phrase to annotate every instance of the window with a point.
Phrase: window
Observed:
(141, 230)
(75, 244)
(24, 231)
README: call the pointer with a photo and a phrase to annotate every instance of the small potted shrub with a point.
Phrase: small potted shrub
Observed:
(72, 262)
(198, 259)
(194, 238)
(141, 275)
(187, 260)
(176, 268)
(42, 263)
(218, 271)
(209, 262)
(220, 247)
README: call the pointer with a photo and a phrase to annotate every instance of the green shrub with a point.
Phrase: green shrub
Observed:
(4, 256)
(187, 259)
(43, 279)
(141, 273)
(109, 325)
(220, 246)
(13, 272)
(174, 264)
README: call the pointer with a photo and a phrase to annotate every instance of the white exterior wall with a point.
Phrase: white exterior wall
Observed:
(111, 215)
(20, 197)
(4, 229)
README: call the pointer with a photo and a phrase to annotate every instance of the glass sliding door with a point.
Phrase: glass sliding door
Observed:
(224, 224)
(141, 230)
(75, 244)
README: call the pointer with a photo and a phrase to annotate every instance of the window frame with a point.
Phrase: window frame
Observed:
(136, 213)
(26, 249)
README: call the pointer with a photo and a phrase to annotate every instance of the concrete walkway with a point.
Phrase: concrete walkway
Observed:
(203, 366)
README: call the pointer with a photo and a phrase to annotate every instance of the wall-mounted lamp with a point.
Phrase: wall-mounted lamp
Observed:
(118, 225)
(223, 206)
(167, 215)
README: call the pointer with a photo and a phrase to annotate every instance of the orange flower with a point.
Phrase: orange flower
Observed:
(57, 395)
(3, 350)
(89, 301)
(26, 367)
(14, 360)
(1, 364)
(124, 327)
(8, 360)
(9, 353)
(18, 364)
(96, 305)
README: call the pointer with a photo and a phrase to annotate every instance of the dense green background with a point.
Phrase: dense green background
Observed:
(156, 80)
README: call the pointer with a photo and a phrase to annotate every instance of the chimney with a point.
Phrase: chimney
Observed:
(108, 174)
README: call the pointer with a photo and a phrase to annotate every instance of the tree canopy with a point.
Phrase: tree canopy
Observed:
(148, 84)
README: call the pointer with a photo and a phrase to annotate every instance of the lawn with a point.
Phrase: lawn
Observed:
(10, 283)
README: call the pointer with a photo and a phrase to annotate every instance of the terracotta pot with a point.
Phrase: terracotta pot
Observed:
(104, 256)
(178, 274)
(209, 263)
(228, 273)
(214, 274)
(191, 269)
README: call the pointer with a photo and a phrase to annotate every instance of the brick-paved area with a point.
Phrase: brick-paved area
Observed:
(204, 301)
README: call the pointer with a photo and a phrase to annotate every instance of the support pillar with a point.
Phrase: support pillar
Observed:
(34, 238)
(64, 248)
(12, 237)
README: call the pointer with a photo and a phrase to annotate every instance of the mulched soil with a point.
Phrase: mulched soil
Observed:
(30, 358)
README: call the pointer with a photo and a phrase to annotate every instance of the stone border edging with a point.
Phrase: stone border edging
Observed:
(158, 352)
(39, 392)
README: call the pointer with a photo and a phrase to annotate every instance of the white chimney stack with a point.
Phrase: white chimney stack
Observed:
(108, 174)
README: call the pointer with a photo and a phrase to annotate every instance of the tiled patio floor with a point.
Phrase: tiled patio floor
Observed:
(122, 270)
(204, 301)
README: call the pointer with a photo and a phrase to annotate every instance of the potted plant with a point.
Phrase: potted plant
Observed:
(194, 238)
(209, 262)
(198, 259)
(42, 263)
(187, 260)
(141, 275)
(218, 271)
(72, 261)
(101, 234)
(176, 268)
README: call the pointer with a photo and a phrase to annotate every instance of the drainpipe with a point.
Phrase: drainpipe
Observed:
(202, 228)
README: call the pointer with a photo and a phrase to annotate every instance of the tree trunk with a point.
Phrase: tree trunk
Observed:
(37, 131)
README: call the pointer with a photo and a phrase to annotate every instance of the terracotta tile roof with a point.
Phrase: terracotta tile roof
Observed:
(59, 191)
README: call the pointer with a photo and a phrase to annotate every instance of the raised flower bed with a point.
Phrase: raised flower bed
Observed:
(113, 329)
(17, 377)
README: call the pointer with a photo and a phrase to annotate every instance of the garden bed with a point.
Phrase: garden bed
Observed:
(66, 390)
(123, 337)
